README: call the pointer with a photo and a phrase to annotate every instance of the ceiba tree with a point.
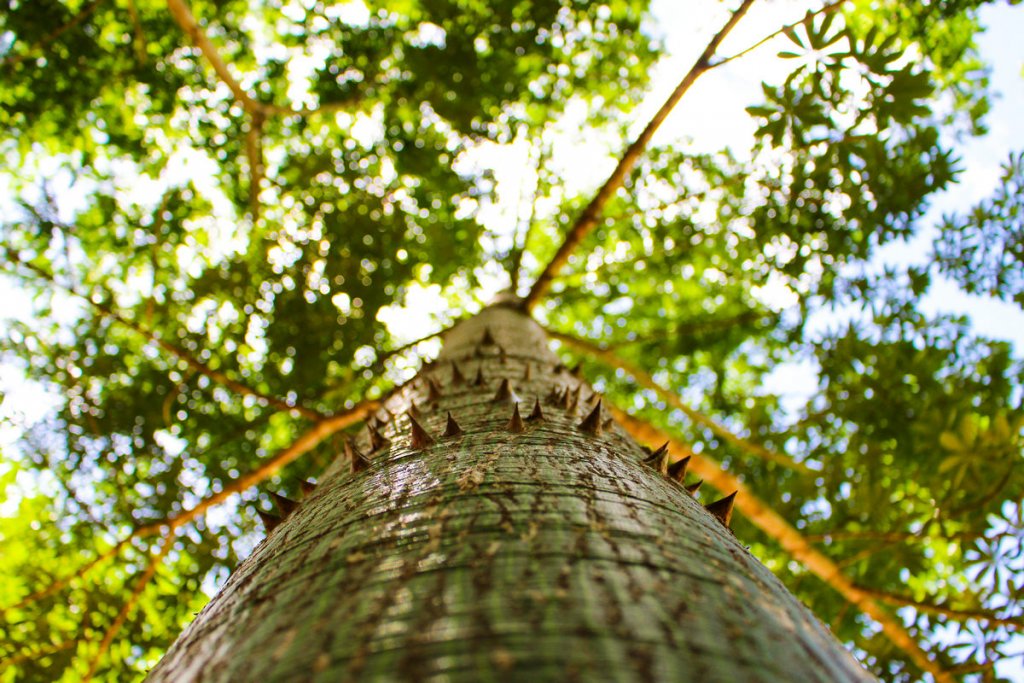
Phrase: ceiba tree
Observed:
(494, 523)
(224, 213)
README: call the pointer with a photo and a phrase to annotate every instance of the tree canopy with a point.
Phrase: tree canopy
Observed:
(221, 218)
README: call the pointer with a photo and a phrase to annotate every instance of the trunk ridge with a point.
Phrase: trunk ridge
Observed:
(471, 546)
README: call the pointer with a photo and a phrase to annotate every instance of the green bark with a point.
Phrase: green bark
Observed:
(546, 553)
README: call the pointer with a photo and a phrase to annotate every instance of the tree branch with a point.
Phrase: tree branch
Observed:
(1014, 623)
(36, 654)
(588, 220)
(254, 153)
(692, 328)
(129, 605)
(182, 14)
(138, 36)
(825, 9)
(775, 526)
(194, 363)
(302, 445)
(52, 35)
(646, 381)
(526, 228)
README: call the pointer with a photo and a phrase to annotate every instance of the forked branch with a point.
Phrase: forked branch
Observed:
(128, 606)
(182, 14)
(312, 437)
(190, 360)
(52, 35)
(590, 216)
(645, 380)
(761, 514)
(1014, 623)
(805, 20)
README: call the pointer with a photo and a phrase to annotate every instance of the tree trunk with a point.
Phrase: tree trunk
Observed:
(539, 549)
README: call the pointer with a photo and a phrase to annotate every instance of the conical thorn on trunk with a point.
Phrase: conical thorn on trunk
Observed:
(572, 399)
(457, 376)
(285, 505)
(269, 519)
(377, 441)
(420, 438)
(479, 381)
(659, 459)
(488, 338)
(358, 461)
(452, 429)
(526, 372)
(592, 423)
(515, 423)
(504, 392)
(307, 487)
(537, 414)
(722, 508)
(577, 371)
(694, 487)
(677, 470)
(434, 391)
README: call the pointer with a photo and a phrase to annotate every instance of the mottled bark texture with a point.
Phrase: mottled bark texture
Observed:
(502, 545)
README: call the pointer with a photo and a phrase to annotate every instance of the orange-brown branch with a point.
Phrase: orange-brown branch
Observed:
(588, 220)
(646, 381)
(129, 605)
(805, 20)
(302, 445)
(53, 35)
(182, 14)
(1014, 623)
(763, 516)
(190, 360)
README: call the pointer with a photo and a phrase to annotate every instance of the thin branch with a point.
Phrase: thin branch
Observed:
(62, 582)
(52, 35)
(519, 247)
(302, 445)
(254, 153)
(588, 220)
(692, 328)
(825, 9)
(646, 381)
(896, 536)
(36, 654)
(378, 364)
(129, 605)
(182, 14)
(775, 526)
(190, 360)
(1014, 623)
(138, 36)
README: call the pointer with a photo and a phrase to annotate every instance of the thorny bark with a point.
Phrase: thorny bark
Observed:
(775, 526)
(646, 381)
(493, 546)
